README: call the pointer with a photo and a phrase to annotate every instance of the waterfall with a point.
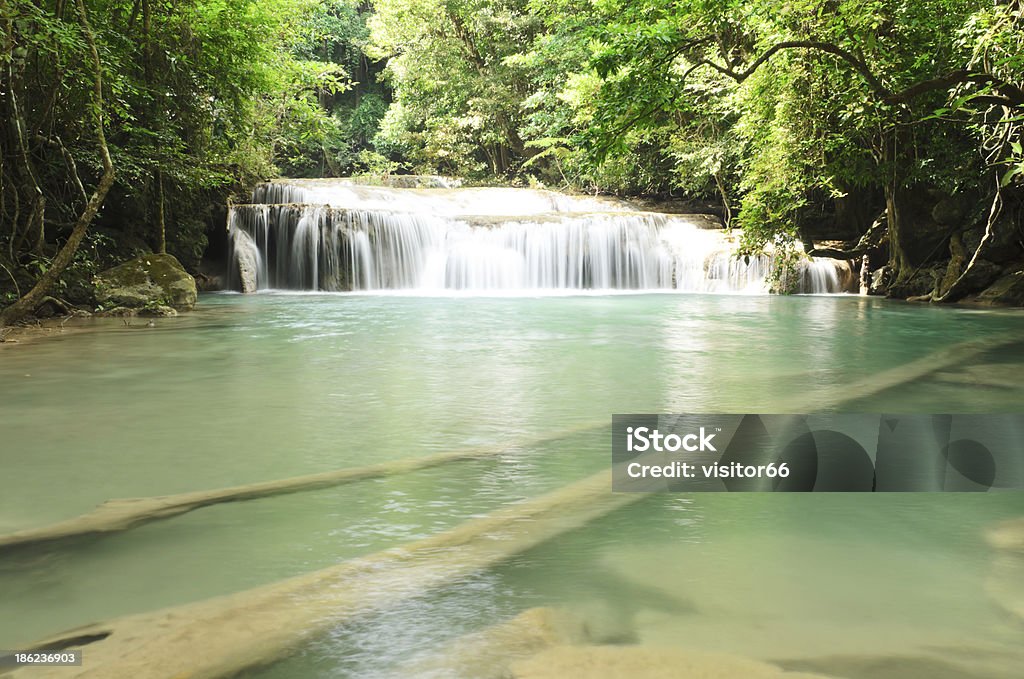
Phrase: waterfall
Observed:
(335, 235)
(819, 275)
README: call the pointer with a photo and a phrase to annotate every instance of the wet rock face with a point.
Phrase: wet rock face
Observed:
(247, 265)
(920, 283)
(147, 281)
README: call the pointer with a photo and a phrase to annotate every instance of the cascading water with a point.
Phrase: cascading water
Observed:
(336, 235)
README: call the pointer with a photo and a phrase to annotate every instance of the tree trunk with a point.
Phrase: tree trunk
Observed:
(899, 229)
(162, 245)
(28, 302)
(896, 211)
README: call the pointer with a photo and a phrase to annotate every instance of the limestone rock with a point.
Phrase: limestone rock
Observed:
(158, 311)
(487, 653)
(978, 277)
(151, 280)
(1005, 584)
(1008, 291)
(949, 211)
(706, 222)
(921, 282)
(849, 280)
(644, 662)
(246, 264)
(880, 279)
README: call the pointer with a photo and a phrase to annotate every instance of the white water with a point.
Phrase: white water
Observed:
(334, 235)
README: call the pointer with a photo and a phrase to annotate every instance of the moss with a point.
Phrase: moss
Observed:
(146, 281)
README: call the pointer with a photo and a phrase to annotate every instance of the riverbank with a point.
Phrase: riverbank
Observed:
(81, 323)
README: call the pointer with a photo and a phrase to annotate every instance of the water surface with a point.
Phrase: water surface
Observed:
(251, 388)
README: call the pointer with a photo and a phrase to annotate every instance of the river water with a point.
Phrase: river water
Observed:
(266, 386)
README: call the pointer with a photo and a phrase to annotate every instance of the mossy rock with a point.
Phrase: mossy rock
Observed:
(148, 281)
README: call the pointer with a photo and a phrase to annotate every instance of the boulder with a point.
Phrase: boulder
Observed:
(151, 280)
(243, 275)
(879, 280)
(1004, 243)
(849, 277)
(1006, 291)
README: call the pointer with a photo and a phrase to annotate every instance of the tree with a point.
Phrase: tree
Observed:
(825, 98)
(197, 99)
(28, 302)
(458, 94)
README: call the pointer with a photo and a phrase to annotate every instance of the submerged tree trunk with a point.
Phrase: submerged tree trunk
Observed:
(28, 302)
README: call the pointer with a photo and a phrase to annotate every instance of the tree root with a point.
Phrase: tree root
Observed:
(59, 303)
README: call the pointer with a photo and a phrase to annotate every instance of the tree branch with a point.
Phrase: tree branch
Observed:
(820, 46)
(1008, 93)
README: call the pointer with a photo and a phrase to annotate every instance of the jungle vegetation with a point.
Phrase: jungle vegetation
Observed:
(890, 128)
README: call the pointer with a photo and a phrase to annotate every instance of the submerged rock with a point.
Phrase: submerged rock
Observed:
(964, 662)
(1008, 535)
(645, 662)
(147, 282)
(487, 653)
(153, 311)
(1005, 584)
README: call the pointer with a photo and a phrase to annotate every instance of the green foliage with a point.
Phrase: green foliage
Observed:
(201, 96)
(458, 88)
(775, 109)
(778, 110)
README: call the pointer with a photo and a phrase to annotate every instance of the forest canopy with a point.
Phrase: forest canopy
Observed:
(886, 126)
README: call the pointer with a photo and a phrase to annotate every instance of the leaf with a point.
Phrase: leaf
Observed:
(1010, 174)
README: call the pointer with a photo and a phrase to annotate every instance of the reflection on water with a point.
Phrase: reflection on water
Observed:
(270, 386)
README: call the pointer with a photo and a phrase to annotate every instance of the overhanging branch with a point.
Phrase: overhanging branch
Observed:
(818, 45)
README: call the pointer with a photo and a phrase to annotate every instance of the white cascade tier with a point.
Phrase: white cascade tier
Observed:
(334, 235)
